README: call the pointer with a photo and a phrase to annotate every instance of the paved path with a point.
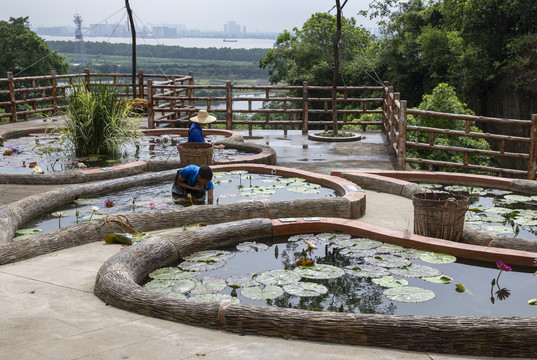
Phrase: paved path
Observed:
(50, 312)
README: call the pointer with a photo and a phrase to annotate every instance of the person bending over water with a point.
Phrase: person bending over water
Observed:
(194, 180)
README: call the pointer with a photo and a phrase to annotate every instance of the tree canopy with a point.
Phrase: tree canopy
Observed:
(24, 53)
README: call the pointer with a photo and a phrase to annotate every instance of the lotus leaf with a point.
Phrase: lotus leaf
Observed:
(200, 266)
(301, 237)
(28, 231)
(390, 282)
(305, 289)
(242, 280)
(408, 294)
(221, 298)
(278, 277)
(171, 273)
(440, 279)
(388, 261)
(210, 256)
(358, 253)
(416, 271)
(209, 285)
(319, 271)
(438, 258)
(252, 246)
(390, 249)
(258, 293)
(518, 198)
(366, 270)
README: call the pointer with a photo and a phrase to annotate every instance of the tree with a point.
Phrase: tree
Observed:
(24, 53)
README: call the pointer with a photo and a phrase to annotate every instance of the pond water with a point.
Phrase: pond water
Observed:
(497, 211)
(349, 275)
(229, 187)
(50, 156)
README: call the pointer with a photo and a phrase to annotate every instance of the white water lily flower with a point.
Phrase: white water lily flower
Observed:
(94, 208)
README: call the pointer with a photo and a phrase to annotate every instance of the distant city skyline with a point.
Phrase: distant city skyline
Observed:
(205, 15)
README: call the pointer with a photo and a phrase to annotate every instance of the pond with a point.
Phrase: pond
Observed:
(497, 211)
(355, 275)
(44, 152)
(229, 187)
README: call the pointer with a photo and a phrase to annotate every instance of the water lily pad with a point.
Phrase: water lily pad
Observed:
(499, 210)
(304, 289)
(237, 172)
(86, 201)
(28, 231)
(357, 253)
(408, 294)
(301, 237)
(209, 285)
(221, 298)
(430, 186)
(499, 229)
(200, 266)
(517, 198)
(524, 221)
(388, 261)
(242, 280)
(390, 282)
(95, 217)
(171, 273)
(259, 293)
(319, 271)
(416, 271)
(166, 286)
(252, 246)
(367, 271)
(357, 243)
(457, 188)
(325, 236)
(390, 249)
(492, 218)
(278, 277)
(438, 258)
(439, 279)
(532, 302)
(303, 190)
(118, 238)
(210, 256)
(22, 237)
(411, 253)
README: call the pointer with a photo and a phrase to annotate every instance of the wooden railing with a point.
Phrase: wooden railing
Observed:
(47, 95)
(176, 103)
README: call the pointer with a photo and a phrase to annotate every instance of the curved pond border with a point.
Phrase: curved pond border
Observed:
(402, 183)
(262, 155)
(117, 285)
(354, 137)
(351, 204)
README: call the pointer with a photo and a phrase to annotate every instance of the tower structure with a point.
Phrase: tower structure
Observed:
(80, 48)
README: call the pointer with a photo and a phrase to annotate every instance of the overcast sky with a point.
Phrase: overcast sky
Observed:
(266, 16)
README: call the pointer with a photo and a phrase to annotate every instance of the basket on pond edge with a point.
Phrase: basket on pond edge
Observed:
(195, 154)
(439, 215)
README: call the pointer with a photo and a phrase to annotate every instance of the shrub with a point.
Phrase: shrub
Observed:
(97, 123)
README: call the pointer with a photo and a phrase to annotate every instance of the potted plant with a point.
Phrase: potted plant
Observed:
(439, 215)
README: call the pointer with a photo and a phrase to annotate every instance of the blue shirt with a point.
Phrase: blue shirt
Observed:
(194, 134)
(190, 173)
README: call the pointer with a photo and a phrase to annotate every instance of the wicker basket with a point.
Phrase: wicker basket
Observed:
(195, 154)
(439, 215)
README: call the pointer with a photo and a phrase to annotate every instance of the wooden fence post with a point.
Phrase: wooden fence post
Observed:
(54, 92)
(532, 161)
(305, 113)
(87, 79)
(229, 106)
(141, 84)
(401, 147)
(13, 104)
(384, 106)
(190, 93)
(150, 112)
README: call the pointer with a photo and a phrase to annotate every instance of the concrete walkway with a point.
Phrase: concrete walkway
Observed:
(49, 310)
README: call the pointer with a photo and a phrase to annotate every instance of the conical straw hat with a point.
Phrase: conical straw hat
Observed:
(203, 118)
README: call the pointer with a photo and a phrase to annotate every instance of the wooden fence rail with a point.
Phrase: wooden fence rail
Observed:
(174, 99)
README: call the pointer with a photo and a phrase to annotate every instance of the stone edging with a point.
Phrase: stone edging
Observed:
(117, 285)
(262, 155)
(401, 183)
(316, 137)
(351, 204)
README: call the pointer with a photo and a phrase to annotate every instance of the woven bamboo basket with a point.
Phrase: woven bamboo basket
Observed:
(439, 215)
(195, 154)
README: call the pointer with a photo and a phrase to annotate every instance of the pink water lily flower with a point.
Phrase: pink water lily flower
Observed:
(152, 206)
(502, 266)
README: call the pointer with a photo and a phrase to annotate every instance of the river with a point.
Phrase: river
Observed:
(185, 42)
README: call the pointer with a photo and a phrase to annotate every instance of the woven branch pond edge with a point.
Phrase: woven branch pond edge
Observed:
(117, 285)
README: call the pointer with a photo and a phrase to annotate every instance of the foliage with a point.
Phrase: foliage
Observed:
(444, 99)
(331, 134)
(96, 125)
(24, 53)
(137, 106)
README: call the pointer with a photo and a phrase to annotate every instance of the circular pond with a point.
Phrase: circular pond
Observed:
(234, 186)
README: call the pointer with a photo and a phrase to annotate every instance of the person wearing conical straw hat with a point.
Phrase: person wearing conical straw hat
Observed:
(195, 133)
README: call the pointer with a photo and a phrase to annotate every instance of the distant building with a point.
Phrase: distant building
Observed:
(232, 29)
(164, 31)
